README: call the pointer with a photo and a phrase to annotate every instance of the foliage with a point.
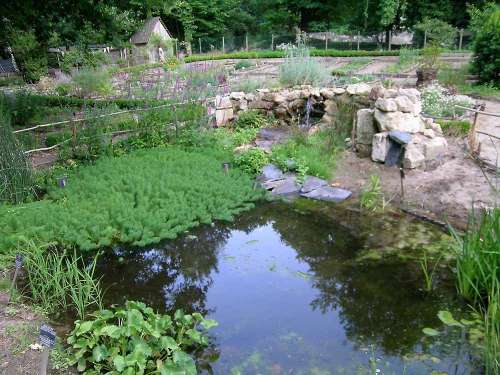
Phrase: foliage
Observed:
(60, 282)
(252, 161)
(486, 63)
(82, 58)
(92, 82)
(351, 67)
(243, 65)
(250, 119)
(300, 69)
(11, 81)
(372, 197)
(438, 32)
(117, 200)
(429, 57)
(16, 181)
(455, 128)
(29, 54)
(408, 58)
(134, 339)
(439, 102)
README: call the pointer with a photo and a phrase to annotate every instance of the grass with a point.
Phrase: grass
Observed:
(457, 77)
(372, 197)
(455, 128)
(407, 60)
(117, 200)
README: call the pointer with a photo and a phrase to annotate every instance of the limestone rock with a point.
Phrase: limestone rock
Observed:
(223, 116)
(312, 183)
(413, 157)
(390, 93)
(331, 107)
(250, 97)
(404, 104)
(435, 148)
(406, 122)
(260, 104)
(412, 94)
(386, 105)
(293, 95)
(429, 133)
(338, 90)
(278, 98)
(380, 147)
(223, 102)
(365, 126)
(315, 92)
(359, 89)
(297, 104)
(327, 93)
(328, 193)
(239, 95)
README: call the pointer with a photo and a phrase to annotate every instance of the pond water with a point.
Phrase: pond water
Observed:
(302, 288)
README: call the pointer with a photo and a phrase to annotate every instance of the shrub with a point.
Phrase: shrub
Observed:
(252, 161)
(300, 69)
(29, 53)
(92, 82)
(250, 119)
(135, 339)
(64, 89)
(243, 65)
(438, 31)
(486, 63)
(118, 200)
(11, 81)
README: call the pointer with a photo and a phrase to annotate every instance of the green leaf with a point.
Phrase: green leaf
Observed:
(99, 353)
(84, 327)
(168, 343)
(447, 318)
(111, 331)
(82, 364)
(430, 332)
(119, 363)
(185, 362)
(209, 323)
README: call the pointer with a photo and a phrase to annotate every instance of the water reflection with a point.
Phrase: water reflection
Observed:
(289, 296)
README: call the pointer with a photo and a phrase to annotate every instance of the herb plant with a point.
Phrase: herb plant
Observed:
(136, 340)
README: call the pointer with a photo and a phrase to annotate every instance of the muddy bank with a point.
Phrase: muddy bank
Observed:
(446, 193)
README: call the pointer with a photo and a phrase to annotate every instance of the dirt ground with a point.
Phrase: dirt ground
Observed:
(444, 194)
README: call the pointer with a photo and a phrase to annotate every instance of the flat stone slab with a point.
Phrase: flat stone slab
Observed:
(270, 172)
(273, 134)
(312, 183)
(328, 193)
(403, 138)
(288, 186)
(265, 145)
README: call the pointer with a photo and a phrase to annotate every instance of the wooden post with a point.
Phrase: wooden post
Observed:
(425, 38)
(44, 362)
(359, 37)
(223, 46)
(246, 42)
(199, 43)
(472, 134)
(272, 42)
(460, 39)
(73, 132)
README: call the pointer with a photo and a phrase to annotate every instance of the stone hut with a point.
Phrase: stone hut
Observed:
(152, 43)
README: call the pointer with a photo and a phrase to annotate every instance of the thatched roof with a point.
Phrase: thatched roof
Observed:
(143, 35)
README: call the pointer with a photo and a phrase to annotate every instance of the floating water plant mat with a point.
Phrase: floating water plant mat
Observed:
(140, 198)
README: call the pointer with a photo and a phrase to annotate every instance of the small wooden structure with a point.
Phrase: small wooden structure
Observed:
(145, 42)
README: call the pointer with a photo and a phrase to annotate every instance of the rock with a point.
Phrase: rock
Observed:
(250, 97)
(270, 185)
(413, 157)
(278, 98)
(297, 104)
(380, 147)
(223, 116)
(386, 105)
(338, 90)
(436, 127)
(315, 92)
(293, 95)
(263, 91)
(403, 138)
(390, 93)
(412, 94)
(239, 95)
(331, 107)
(265, 145)
(223, 102)
(281, 111)
(242, 148)
(327, 93)
(328, 193)
(365, 126)
(406, 122)
(429, 133)
(312, 183)
(404, 104)
(270, 172)
(260, 104)
(359, 89)
(273, 134)
(328, 119)
(435, 148)
(288, 186)
(377, 92)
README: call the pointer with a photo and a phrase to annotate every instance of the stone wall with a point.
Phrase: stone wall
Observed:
(387, 125)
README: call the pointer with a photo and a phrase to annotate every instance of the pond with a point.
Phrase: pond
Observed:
(303, 288)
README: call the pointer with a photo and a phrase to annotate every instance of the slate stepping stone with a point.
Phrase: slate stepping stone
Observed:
(270, 172)
(312, 183)
(328, 193)
(287, 186)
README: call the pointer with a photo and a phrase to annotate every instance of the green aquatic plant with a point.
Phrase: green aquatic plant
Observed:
(372, 197)
(134, 339)
(428, 272)
(140, 198)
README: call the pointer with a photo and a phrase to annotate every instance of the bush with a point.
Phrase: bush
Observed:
(438, 31)
(455, 128)
(300, 69)
(252, 161)
(82, 58)
(11, 81)
(243, 65)
(250, 119)
(136, 340)
(486, 62)
(92, 82)
(30, 55)
(118, 200)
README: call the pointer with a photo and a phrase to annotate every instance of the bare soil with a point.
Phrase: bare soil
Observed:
(445, 194)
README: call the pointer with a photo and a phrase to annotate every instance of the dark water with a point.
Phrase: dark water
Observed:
(300, 289)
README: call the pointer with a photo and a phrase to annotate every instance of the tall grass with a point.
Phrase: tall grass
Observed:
(299, 68)
(58, 281)
(478, 278)
(16, 180)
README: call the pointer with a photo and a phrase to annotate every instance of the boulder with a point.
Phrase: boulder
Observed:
(288, 186)
(250, 97)
(293, 95)
(338, 90)
(297, 104)
(327, 93)
(312, 183)
(380, 147)
(260, 104)
(328, 193)
(278, 98)
(429, 133)
(404, 104)
(359, 89)
(412, 94)
(239, 95)
(390, 93)
(406, 122)
(331, 107)
(413, 157)
(270, 172)
(403, 138)
(315, 92)
(223, 102)
(365, 126)
(223, 116)
(435, 148)
(386, 105)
